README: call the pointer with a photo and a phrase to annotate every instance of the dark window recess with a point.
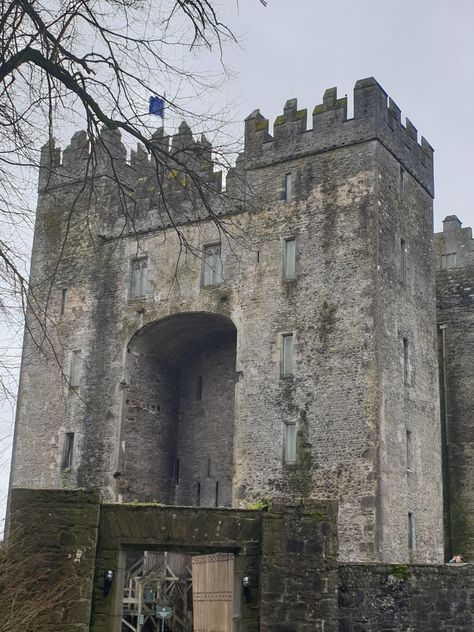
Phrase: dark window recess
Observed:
(176, 472)
(405, 360)
(208, 468)
(403, 261)
(63, 300)
(411, 532)
(402, 182)
(288, 188)
(198, 500)
(199, 388)
(68, 450)
(217, 493)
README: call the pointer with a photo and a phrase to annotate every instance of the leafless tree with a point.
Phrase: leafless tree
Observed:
(94, 63)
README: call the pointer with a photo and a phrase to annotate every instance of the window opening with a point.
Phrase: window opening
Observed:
(212, 265)
(177, 472)
(402, 182)
(448, 260)
(409, 451)
(63, 300)
(289, 258)
(411, 532)
(208, 468)
(198, 500)
(138, 287)
(405, 360)
(403, 261)
(76, 369)
(288, 187)
(217, 493)
(68, 449)
(287, 355)
(290, 443)
(199, 388)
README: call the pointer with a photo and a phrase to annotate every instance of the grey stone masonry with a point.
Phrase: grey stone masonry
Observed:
(455, 305)
(274, 341)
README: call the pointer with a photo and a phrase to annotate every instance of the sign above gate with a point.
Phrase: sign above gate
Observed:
(164, 612)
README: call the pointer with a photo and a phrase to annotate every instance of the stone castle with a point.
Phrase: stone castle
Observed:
(284, 338)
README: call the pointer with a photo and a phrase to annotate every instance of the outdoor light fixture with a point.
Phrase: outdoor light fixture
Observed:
(246, 587)
(108, 579)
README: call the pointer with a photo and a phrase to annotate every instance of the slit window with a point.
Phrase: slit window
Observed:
(68, 450)
(75, 369)
(217, 493)
(198, 499)
(411, 532)
(139, 277)
(290, 443)
(63, 300)
(402, 182)
(208, 468)
(199, 388)
(405, 360)
(403, 261)
(287, 355)
(409, 451)
(289, 258)
(212, 265)
(288, 191)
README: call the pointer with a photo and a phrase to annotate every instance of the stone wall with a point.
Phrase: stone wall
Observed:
(455, 304)
(398, 598)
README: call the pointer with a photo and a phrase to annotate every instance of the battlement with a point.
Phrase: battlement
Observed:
(376, 116)
(454, 245)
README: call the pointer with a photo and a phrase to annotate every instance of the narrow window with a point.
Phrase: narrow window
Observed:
(139, 277)
(217, 493)
(258, 256)
(177, 472)
(403, 261)
(68, 448)
(199, 388)
(208, 468)
(288, 187)
(402, 182)
(212, 265)
(63, 300)
(198, 499)
(290, 443)
(411, 532)
(287, 355)
(75, 369)
(173, 469)
(448, 260)
(405, 360)
(289, 258)
(409, 451)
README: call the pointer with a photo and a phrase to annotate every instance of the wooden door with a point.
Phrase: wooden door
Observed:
(213, 580)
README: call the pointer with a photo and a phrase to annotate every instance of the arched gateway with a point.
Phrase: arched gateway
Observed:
(178, 423)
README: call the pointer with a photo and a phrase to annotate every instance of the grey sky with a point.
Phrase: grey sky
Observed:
(420, 51)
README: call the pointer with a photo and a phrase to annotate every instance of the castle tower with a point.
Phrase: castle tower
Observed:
(455, 306)
(287, 351)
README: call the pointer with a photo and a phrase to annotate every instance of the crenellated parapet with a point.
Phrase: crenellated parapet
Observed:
(375, 117)
(454, 246)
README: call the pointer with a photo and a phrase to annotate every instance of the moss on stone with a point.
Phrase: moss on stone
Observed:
(319, 109)
(319, 516)
(264, 504)
(279, 120)
(299, 115)
(340, 103)
(261, 125)
(399, 571)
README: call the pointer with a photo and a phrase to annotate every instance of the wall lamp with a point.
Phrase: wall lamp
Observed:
(108, 579)
(246, 587)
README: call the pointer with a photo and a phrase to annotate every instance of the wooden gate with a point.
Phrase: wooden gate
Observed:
(213, 579)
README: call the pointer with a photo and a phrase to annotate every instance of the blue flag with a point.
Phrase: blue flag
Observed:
(156, 106)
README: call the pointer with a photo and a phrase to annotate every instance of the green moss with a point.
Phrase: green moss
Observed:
(279, 120)
(399, 571)
(340, 103)
(264, 504)
(318, 516)
(261, 125)
(319, 109)
(299, 115)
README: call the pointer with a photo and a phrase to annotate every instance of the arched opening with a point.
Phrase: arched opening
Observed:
(178, 426)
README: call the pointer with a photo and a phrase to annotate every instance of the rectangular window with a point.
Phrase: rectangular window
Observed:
(449, 260)
(199, 388)
(63, 300)
(289, 258)
(287, 355)
(290, 443)
(288, 187)
(403, 261)
(217, 493)
(411, 532)
(409, 451)
(198, 499)
(139, 278)
(68, 448)
(402, 182)
(176, 472)
(405, 360)
(75, 369)
(208, 468)
(212, 265)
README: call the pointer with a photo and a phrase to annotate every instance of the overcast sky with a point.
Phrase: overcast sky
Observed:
(420, 51)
